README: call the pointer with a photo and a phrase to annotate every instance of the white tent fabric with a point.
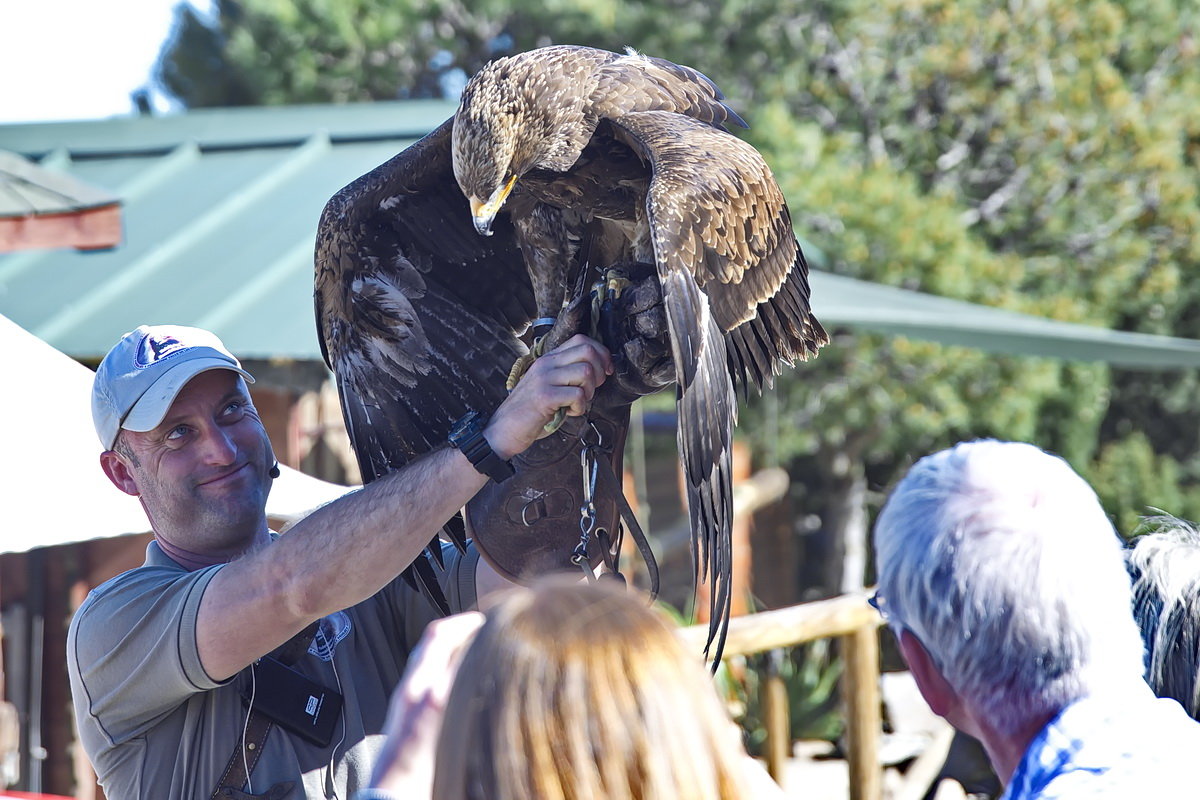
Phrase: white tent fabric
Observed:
(52, 490)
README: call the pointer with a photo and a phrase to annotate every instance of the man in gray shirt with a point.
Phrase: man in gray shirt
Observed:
(167, 661)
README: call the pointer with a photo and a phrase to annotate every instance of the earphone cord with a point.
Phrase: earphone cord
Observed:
(330, 790)
(245, 727)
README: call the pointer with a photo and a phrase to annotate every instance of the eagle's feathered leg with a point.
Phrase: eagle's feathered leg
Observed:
(569, 318)
(541, 233)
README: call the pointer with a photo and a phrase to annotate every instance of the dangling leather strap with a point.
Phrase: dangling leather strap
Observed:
(635, 530)
(258, 727)
(240, 765)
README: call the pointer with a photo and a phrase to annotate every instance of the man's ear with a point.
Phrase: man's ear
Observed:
(934, 687)
(118, 472)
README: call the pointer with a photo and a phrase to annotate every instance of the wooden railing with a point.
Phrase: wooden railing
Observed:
(849, 618)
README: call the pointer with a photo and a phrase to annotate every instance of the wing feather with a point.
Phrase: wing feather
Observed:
(635, 82)
(728, 214)
(735, 292)
(418, 315)
(706, 407)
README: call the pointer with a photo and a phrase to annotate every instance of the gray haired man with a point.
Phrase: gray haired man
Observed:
(1004, 582)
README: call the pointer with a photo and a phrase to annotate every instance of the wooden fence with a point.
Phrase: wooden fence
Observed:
(849, 618)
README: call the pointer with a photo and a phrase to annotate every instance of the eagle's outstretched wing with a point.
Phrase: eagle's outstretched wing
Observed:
(735, 289)
(418, 315)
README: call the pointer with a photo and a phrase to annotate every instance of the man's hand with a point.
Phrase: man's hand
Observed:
(566, 377)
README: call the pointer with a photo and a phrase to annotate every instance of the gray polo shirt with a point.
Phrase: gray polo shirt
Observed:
(156, 726)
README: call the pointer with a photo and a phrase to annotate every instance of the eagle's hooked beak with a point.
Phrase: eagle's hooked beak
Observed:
(485, 213)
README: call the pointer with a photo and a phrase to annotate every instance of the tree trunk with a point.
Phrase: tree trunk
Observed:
(836, 552)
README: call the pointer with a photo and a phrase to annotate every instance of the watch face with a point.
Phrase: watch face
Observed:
(465, 427)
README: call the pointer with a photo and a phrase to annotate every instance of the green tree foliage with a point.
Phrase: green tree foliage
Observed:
(276, 52)
(1039, 155)
(1128, 471)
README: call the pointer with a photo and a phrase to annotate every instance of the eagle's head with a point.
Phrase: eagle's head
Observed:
(484, 145)
(512, 118)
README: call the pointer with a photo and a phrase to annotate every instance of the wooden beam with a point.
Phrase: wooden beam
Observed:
(89, 229)
(786, 627)
(849, 617)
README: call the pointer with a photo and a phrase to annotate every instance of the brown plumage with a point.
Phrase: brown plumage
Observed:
(431, 266)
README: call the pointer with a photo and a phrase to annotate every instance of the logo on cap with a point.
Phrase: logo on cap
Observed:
(155, 348)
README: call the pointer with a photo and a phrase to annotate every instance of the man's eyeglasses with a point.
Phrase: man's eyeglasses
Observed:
(879, 603)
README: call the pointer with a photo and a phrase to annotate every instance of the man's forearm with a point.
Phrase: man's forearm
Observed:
(371, 535)
(337, 556)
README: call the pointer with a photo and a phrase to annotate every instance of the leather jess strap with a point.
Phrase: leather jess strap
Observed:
(635, 530)
(241, 763)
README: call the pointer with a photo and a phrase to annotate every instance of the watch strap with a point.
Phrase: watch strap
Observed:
(475, 446)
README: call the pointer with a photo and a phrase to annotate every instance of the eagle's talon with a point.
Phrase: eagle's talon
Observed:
(615, 282)
(520, 367)
(523, 363)
(560, 417)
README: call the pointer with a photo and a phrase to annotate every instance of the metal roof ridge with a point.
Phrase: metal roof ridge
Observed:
(167, 167)
(111, 290)
(257, 287)
(214, 129)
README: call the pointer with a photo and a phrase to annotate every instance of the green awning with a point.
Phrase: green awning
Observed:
(887, 309)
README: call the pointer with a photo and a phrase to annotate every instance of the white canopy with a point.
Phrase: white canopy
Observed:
(52, 490)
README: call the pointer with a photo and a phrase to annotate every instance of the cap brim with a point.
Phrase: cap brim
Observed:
(152, 406)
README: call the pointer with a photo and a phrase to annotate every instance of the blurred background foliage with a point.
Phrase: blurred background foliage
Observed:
(1039, 155)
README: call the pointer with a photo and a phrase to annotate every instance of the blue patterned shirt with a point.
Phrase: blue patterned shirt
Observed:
(1117, 745)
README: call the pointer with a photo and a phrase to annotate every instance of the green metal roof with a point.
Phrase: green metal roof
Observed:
(221, 209)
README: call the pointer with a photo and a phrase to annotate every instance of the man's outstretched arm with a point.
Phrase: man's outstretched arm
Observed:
(346, 551)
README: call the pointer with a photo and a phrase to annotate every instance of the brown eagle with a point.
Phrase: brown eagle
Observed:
(432, 267)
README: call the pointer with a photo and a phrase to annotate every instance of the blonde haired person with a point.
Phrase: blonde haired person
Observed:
(567, 692)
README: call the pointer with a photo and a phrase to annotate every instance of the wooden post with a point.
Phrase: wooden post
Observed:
(772, 695)
(864, 723)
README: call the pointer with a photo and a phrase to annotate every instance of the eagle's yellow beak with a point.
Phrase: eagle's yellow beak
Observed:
(485, 213)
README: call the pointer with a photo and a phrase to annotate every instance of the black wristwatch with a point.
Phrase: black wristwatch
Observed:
(467, 436)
